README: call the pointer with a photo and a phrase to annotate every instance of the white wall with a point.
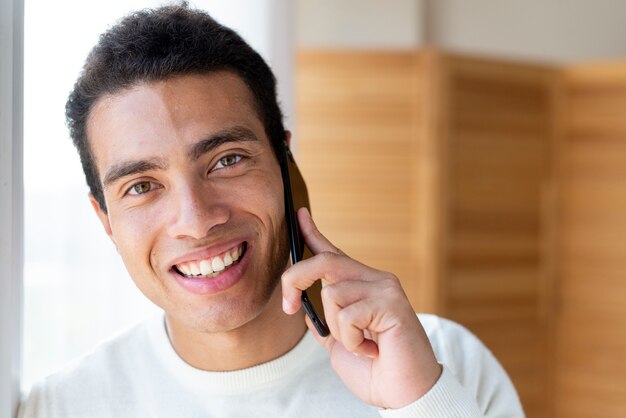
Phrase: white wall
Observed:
(389, 24)
(557, 31)
(11, 208)
(267, 25)
(544, 30)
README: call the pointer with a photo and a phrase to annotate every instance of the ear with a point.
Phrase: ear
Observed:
(102, 215)
(288, 138)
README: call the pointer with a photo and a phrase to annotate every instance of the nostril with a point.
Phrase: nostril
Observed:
(195, 213)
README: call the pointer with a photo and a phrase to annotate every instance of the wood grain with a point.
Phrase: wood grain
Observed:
(500, 145)
(591, 321)
(356, 149)
(435, 167)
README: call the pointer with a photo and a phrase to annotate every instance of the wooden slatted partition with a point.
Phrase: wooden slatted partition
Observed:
(591, 344)
(436, 167)
(500, 142)
(356, 147)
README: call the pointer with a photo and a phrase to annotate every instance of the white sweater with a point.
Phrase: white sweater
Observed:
(138, 374)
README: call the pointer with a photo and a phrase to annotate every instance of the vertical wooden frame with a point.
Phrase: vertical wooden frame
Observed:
(429, 198)
(11, 202)
(591, 314)
(498, 281)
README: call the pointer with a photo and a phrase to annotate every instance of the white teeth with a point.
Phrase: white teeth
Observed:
(195, 269)
(217, 264)
(205, 267)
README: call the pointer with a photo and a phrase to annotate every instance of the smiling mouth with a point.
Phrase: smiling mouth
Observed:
(211, 267)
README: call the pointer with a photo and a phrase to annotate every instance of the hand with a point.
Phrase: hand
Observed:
(377, 345)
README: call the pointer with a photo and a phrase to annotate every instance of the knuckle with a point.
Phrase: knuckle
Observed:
(328, 292)
(344, 318)
(391, 279)
(397, 300)
(329, 263)
(284, 278)
(327, 256)
(391, 283)
(392, 288)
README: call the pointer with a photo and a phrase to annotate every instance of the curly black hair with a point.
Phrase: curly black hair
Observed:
(153, 45)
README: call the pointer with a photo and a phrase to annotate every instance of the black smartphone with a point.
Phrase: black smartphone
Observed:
(296, 196)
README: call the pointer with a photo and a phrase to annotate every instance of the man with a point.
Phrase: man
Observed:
(178, 129)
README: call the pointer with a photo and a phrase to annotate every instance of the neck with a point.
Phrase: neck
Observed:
(265, 338)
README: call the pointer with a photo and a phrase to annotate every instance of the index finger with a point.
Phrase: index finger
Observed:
(313, 238)
(329, 267)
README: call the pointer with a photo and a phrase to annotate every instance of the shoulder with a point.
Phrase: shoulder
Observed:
(77, 385)
(473, 365)
(119, 350)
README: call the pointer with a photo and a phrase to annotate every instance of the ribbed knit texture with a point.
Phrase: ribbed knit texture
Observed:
(446, 399)
(235, 382)
(138, 374)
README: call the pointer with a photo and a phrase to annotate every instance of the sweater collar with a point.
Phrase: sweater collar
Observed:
(231, 382)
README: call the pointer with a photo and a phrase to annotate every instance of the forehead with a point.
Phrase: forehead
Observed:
(178, 110)
(181, 97)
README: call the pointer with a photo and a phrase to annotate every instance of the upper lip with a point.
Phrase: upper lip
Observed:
(207, 252)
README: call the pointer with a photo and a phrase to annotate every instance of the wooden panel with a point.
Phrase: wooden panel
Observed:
(500, 141)
(591, 343)
(435, 167)
(357, 147)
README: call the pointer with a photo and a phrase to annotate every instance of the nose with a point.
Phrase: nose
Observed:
(197, 210)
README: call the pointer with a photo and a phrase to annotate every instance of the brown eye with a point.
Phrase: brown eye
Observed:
(140, 188)
(228, 161)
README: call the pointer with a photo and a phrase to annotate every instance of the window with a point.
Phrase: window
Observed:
(11, 209)
(76, 289)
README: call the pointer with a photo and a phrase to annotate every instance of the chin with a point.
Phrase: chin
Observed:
(232, 313)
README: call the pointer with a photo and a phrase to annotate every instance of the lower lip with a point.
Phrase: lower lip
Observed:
(206, 286)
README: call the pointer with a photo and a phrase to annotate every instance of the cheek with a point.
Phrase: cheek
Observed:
(133, 234)
(274, 212)
(260, 192)
(269, 200)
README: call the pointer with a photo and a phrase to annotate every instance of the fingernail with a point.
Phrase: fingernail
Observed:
(286, 306)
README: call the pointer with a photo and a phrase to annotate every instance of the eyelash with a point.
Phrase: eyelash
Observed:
(132, 191)
(237, 157)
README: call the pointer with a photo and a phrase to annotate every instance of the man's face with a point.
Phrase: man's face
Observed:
(194, 197)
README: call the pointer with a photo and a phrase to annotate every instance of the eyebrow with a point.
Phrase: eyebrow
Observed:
(234, 134)
(128, 168)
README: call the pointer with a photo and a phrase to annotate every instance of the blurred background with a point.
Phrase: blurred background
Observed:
(475, 148)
